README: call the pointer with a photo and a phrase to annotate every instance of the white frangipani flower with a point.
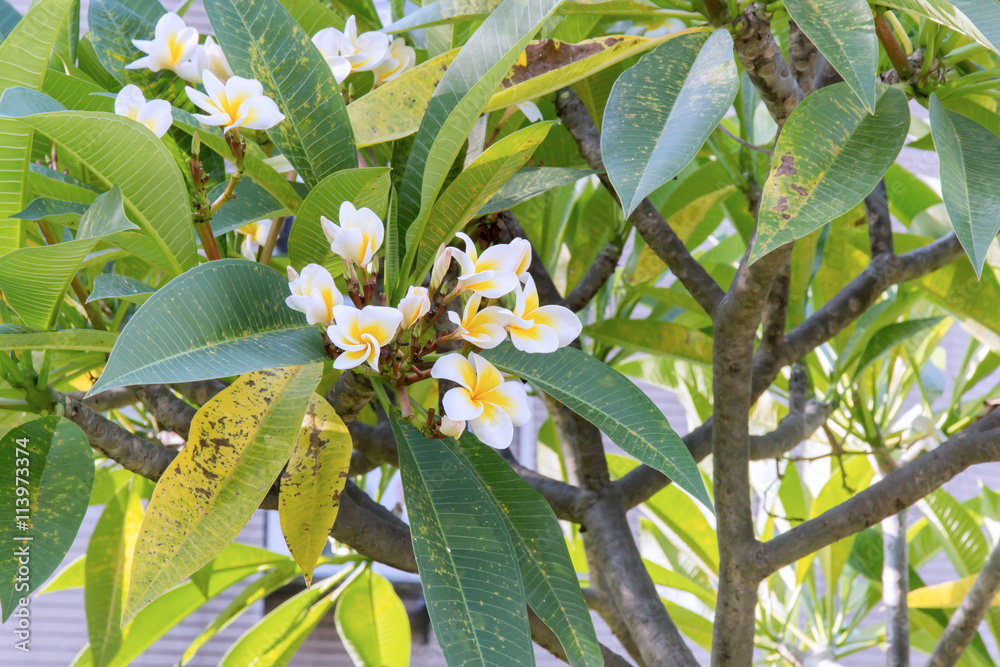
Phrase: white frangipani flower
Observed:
(154, 114)
(521, 248)
(399, 59)
(172, 45)
(358, 236)
(414, 305)
(540, 329)
(361, 334)
(452, 428)
(238, 102)
(313, 293)
(491, 406)
(492, 274)
(329, 41)
(207, 57)
(483, 328)
(255, 235)
(347, 52)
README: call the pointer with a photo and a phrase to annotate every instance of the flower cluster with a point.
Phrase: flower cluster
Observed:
(229, 101)
(346, 52)
(396, 343)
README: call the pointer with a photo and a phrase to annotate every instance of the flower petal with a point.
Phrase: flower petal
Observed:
(351, 359)
(456, 368)
(512, 399)
(381, 322)
(487, 375)
(459, 406)
(346, 318)
(493, 427)
(562, 320)
(537, 339)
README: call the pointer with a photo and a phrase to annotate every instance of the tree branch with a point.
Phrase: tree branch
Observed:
(349, 395)
(595, 278)
(895, 492)
(623, 573)
(803, 55)
(832, 318)
(171, 412)
(143, 457)
(761, 58)
(879, 221)
(647, 220)
(962, 626)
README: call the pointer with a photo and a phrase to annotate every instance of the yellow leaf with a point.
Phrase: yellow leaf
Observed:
(312, 483)
(239, 442)
(394, 110)
(943, 596)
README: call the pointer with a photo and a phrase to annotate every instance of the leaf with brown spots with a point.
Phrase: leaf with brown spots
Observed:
(53, 458)
(830, 154)
(239, 442)
(395, 109)
(312, 483)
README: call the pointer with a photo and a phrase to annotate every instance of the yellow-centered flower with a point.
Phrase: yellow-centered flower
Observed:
(492, 274)
(357, 237)
(173, 44)
(540, 329)
(313, 293)
(483, 328)
(238, 102)
(154, 114)
(491, 406)
(362, 334)
(414, 305)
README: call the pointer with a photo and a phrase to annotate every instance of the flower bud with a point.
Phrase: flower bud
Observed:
(441, 265)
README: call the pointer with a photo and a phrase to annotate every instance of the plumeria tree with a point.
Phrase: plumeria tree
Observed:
(280, 266)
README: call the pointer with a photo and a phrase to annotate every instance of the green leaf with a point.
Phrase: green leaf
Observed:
(209, 492)
(57, 473)
(978, 19)
(17, 337)
(109, 561)
(274, 639)
(316, 134)
(969, 160)
(892, 335)
(844, 33)
(221, 318)
(56, 210)
(113, 286)
(362, 187)
(24, 56)
(460, 98)
(311, 484)
(255, 591)
(662, 110)
(551, 585)
(252, 203)
(530, 182)
(8, 19)
(141, 165)
(653, 337)
(471, 189)
(373, 623)
(169, 610)
(467, 562)
(830, 155)
(607, 399)
(312, 16)
(34, 279)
